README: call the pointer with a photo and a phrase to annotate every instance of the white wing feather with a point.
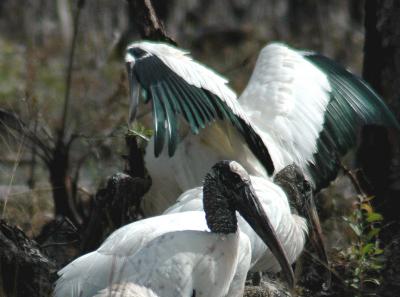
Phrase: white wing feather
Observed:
(286, 98)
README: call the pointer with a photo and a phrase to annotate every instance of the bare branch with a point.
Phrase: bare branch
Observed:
(354, 180)
(11, 122)
(150, 27)
(80, 5)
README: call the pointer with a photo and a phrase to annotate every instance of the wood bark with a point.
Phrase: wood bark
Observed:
(114, 206)
(150, 27)
(379, 153)
(24, 270)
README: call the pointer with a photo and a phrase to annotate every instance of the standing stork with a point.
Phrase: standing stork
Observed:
(298, 108)
(288, 202)
(185, 254)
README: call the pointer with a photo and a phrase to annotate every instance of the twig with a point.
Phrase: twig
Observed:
(11, 123)
(12, 177)
(80, 5)
(44, 246)
(56, 228)
(145, 17)
(320, 262)
(353, 179)
(31, 179)
(36, 190)
(134, 160)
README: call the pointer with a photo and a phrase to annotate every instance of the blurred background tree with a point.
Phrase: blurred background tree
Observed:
(379, 152)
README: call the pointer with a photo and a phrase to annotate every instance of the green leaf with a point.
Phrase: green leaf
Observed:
(372, 281)
(367, 249)
(141, 132)
(372, 233)
(376, 267)
(357, 230)
(374, 217)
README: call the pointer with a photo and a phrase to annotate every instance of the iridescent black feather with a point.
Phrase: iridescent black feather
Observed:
(352, 103)
(173, 96)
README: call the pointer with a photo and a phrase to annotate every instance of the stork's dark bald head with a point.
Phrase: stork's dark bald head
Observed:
(292, 180)
(231, 174)
(227, 189)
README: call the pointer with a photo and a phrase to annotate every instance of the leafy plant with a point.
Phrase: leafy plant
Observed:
(364, 259)
(141, 131)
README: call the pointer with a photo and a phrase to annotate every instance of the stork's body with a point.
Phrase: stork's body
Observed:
(299, 107)
(171, 176)
(185, 254)
(169, 255)
(291, 229)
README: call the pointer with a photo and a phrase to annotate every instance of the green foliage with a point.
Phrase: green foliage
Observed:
(140, 130)
(364, 258)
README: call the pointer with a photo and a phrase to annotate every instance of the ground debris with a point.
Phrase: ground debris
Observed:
(391, 273)
(266, 289)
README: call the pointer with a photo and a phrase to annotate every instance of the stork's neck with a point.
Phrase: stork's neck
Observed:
(218, 207)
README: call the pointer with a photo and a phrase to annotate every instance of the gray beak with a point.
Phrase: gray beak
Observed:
(252, 211)
(134, 90)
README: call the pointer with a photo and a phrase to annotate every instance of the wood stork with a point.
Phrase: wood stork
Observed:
(288, 202)
(298, 107)
(177, 255)
(304, 107)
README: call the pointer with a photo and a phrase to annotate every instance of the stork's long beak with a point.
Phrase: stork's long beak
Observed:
(252, 211)
(134, 90)
(316, 237)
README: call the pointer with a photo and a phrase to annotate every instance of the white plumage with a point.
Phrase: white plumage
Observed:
(193, 157)
(285, 103)
(191, 253)
(290, 229)
(304, 108)
(286, 99)
(169, 255)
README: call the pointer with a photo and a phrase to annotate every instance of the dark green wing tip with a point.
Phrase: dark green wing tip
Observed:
(173, 97)
(375, 111)
(353, 104)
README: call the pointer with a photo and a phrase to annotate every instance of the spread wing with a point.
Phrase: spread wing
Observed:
(178, 87)
(309, 109)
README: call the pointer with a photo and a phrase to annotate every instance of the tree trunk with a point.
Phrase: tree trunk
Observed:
(379, 150)
(61, 183)
(379, 153)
